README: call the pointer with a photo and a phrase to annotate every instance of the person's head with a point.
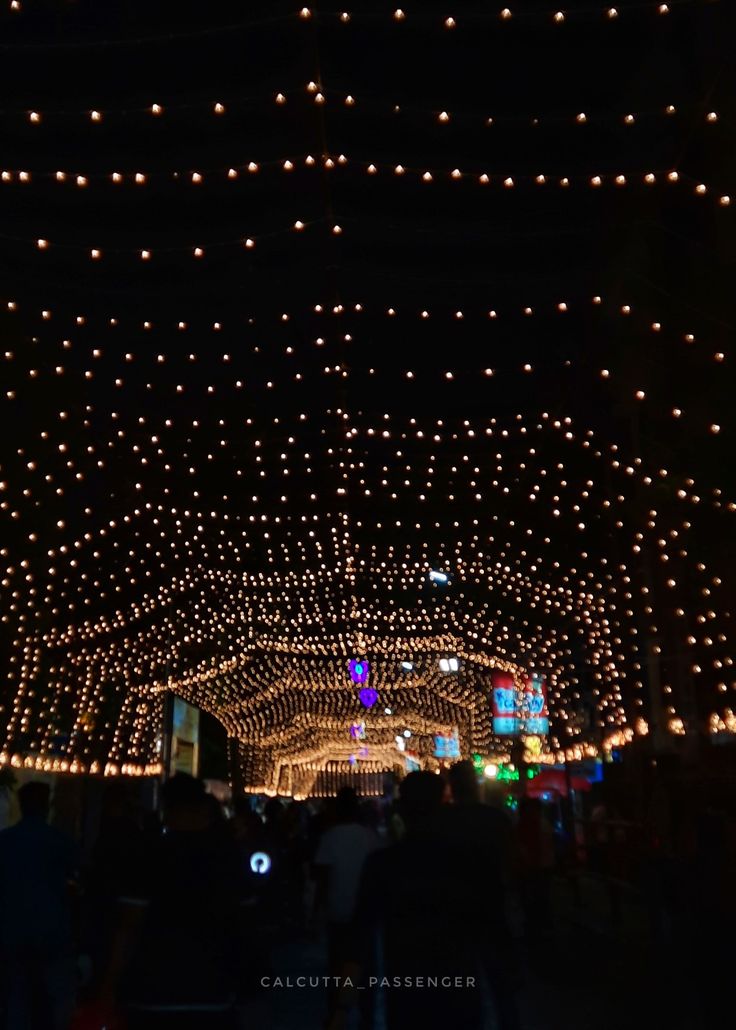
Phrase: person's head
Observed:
(347, 806)
(420, 798)
(273, 811)
(116, 802)
(463, 783)
(34, 799)
(184, 803)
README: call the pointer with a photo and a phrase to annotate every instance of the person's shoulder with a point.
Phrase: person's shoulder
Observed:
(8, 836)
(380, 862)
(332, 833)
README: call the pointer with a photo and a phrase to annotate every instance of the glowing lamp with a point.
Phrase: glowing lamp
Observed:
(260, 863)
(359, 670)
(368, 697)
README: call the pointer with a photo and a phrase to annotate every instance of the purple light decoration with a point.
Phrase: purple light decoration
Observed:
(359, 670)
(368, 697)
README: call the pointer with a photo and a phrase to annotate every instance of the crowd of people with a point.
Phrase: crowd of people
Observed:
(425, 901)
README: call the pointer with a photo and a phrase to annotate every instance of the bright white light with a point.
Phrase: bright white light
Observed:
(400, 743)
(449, 665)
(491, 771)
(407, 733)
(407, 666)
(438, 577)
(387, 711)
(260, 863)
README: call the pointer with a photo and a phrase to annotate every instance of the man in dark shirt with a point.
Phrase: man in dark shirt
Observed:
(37, 864)
(176, 950)
(485, 837)
(416, 895)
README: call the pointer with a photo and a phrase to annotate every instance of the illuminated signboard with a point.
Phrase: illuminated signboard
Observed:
(447, 746)
(505, 705)
(184, 738)
(517, 710)
(534, 705)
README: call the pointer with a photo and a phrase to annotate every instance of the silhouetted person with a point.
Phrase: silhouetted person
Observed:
(37, 864)
(339, 862)
(175, 959)
(485, 829)
(537, 851)
(417, 897)
(117, 850)
(485, 835)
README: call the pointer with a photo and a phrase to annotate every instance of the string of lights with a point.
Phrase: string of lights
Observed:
(399, 15)
(426, 175)
(358, 101)
(418, 444)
